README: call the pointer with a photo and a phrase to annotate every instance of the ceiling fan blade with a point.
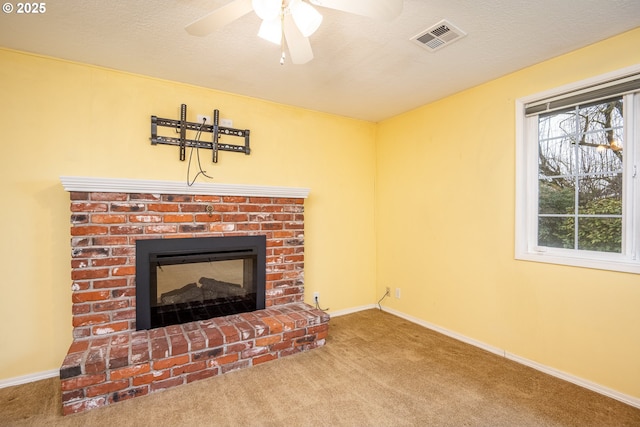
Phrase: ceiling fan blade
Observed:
(299, 45)
(385, 10)
(219, 18)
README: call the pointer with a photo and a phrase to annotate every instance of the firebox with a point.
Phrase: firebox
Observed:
(189, 279)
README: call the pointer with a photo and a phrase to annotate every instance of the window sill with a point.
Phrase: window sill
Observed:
(622, 266)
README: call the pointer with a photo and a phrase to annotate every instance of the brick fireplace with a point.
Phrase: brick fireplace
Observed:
(109, 360)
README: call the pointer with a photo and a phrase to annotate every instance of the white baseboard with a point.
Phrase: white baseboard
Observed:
(9, 382)
(624, 398)
(351, 310)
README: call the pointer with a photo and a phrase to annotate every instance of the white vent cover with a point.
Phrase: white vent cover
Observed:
(438, 36)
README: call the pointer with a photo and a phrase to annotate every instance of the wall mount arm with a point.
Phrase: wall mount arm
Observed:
(182, 125)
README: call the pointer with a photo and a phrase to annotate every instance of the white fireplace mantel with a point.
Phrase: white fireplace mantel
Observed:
(122, 185)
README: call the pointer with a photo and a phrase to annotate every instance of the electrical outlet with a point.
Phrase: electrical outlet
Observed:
(202, 117)
(316, 296)
(226, 123)
(398, 293)
(388, 293)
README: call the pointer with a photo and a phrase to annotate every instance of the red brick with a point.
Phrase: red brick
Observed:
(101, 262)
(127, 207)
(196, 340)
(160, 229)
(124, 314)
(206, 198)
(91, 319)
(79, 195)
(78, 346)
(224, 360)
(109, 283)
(214, 336)
(110, 328)
(108, 219)
(208, 217)
(159, 348)
(109, 196)
(109, 387)
(207, 354)
(260, 200)
(109, 305)
(266, 341)
(118, 357)
(110, 240)
(128, 394)
(294, 258)
(200, 375)
(144, 196)
(90, 273)
(163, 207)
(170, 362)
(235, 218)
(124, 271)
(230, 333)
(82, 381)
(125, 229)
(89, 230)
(73, 395)
(283, 234)
(248, 227)
(282, 345)
(88, 207)
(178, 218)
(151, 377)
(221, 228)
(177, 198)
(130, 371)
(145, 218)
(264, 358)
(188, 368)
(77, 309)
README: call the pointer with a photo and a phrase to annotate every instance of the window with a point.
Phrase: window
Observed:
(577, 190)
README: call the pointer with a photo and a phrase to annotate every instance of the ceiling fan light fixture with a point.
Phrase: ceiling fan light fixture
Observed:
(271, 30)
(306, 17)
(267, 9)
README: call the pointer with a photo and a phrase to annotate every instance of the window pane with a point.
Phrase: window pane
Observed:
(601, 152)
(600, 234)
(556, 125)
(556, 157)
(602, 115)
(556, 232)
(600, 195)
(556, 196)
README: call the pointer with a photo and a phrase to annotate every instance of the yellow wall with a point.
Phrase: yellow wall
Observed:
(440, 179)
(445, 198)
(62, 118)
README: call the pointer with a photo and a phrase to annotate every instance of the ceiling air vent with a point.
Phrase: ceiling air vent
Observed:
(438, 36)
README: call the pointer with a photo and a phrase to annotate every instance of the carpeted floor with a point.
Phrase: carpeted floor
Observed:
(375, 370)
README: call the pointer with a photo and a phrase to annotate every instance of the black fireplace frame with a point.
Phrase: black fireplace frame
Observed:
(194, 248)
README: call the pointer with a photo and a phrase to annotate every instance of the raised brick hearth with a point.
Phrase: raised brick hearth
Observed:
(109, 360)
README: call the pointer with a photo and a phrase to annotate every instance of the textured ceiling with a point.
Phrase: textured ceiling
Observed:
(362, 68)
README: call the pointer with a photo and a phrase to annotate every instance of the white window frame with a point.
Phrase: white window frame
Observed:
(526, 231)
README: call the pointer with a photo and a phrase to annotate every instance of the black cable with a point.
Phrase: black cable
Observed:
(318, 305)
(386, 294)
(201, 172)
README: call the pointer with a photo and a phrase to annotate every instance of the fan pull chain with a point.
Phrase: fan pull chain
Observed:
(283, 56)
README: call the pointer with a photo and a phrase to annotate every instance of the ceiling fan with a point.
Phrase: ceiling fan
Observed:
(291, 21)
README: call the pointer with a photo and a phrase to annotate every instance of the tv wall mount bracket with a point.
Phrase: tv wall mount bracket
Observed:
(182, 125)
